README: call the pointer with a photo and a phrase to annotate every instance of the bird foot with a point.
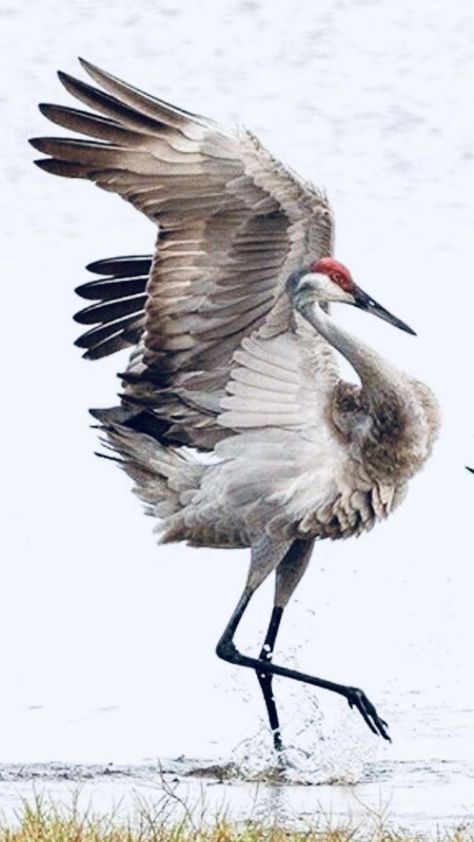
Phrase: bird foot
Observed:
(357, 698)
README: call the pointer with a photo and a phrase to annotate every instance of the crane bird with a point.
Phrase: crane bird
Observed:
(232, 353)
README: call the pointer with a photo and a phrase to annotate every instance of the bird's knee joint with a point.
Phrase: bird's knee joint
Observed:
(226, 650)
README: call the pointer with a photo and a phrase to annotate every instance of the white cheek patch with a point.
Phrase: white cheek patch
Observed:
(337, 293)
(322, 286)
(330, 291)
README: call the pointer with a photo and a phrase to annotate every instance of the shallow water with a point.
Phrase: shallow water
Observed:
(409, 786)
(108, 641)
(427, 796)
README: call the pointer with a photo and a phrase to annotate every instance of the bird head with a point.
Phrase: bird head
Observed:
(326, 280)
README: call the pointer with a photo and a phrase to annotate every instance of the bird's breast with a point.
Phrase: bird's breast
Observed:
(351, 510)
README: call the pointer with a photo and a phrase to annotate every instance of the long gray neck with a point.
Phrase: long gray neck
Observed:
(403, 413)
(376, 374)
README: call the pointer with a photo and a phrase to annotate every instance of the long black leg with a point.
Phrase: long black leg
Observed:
(288, 573)
(355, 697)
(265, 679)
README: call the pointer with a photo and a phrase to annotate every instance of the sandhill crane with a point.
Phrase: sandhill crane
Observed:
(232, 353)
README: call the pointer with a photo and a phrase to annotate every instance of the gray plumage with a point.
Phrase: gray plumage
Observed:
(228, 357)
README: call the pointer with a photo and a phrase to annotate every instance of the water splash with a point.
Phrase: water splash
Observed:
(320, 748)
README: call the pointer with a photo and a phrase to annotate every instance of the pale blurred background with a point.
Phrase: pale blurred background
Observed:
(108, 640)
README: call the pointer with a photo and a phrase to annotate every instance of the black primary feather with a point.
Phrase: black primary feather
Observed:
(120, 309)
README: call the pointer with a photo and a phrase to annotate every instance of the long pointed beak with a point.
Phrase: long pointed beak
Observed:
(365, 302)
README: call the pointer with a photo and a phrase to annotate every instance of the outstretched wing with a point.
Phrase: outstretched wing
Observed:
(233, 223)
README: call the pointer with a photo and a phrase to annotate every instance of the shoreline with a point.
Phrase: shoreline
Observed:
(181, 788)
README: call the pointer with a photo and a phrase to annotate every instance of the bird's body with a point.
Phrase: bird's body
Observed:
(233, 351)
(311, 457)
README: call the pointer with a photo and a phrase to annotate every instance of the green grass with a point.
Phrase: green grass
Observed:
(43, 822)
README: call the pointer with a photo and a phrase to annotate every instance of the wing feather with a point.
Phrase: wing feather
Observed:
(280, 382)
(122, 294)
(233, 223)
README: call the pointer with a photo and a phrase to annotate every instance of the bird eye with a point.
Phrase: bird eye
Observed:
(337, 277)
